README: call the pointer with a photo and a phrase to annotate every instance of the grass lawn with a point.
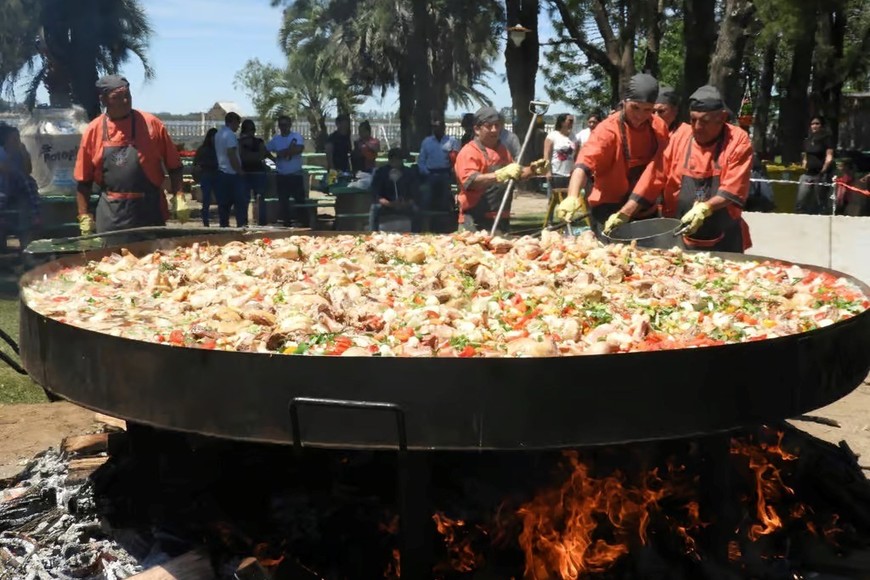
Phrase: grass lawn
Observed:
(14, 388)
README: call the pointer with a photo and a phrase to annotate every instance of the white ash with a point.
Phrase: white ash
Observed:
(50, 530)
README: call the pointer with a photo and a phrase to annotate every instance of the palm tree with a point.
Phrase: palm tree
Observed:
(68, 45)
(393, 43)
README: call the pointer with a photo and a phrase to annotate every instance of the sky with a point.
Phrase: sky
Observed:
(199, 45)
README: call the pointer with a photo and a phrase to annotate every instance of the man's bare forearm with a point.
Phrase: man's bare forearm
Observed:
(83, 197)
(577, 182)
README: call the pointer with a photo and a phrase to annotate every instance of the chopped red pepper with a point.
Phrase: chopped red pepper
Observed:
(468, 352)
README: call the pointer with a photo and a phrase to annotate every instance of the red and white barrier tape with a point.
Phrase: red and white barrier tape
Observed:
(827, 184)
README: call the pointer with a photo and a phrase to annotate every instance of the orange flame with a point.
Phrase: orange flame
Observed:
(461, 556)
(769, 486)
(561, 535)
(394, 568)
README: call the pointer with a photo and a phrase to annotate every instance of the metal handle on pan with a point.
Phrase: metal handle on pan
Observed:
(297, 402)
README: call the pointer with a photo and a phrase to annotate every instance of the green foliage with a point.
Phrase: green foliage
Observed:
(672, 52)
(262, 84)
(65, 46)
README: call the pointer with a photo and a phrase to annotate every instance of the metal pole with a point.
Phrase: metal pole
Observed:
(537, 108)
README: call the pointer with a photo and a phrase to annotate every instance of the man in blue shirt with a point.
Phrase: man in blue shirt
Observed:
(435, 163)
(287, 146)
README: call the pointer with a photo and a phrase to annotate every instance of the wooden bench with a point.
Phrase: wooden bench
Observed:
(311, 206)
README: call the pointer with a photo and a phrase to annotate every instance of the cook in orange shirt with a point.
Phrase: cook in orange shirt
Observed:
(618, 151)
(124, 152)
(704, 173)
(484, 168)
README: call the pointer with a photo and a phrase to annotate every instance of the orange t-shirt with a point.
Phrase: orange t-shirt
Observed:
(603, 155)
(155, 147)
(735, 162)
(475, 159)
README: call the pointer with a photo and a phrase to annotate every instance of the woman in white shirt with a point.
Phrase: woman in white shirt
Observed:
(560, 148)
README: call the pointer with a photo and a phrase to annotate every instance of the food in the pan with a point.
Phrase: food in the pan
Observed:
(462, 295)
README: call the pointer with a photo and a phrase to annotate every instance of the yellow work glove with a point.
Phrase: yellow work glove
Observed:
(182, 210)
(568, 208)
(331, 177)
(508, 172)
(540, 167)
(86, 224)
(614, 222)
(694, 218)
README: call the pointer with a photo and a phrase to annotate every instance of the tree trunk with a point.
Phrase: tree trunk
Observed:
(654, 8)
(699, 33)
(55, 50)
(827, 86)
(85, 51)
(728, 57)
(419, 57)
(793, 111)
(762, 101)
(521, 62)
(406, 106)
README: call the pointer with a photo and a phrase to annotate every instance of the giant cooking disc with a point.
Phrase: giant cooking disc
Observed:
(446, 403)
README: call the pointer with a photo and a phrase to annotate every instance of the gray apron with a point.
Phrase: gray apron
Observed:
(601, 212)
(720, 232)
(483, 213)
(128, 198)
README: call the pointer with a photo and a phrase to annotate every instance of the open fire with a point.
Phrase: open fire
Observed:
(783, 504)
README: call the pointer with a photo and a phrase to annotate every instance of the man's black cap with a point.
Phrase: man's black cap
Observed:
(668, 96)
(707, 98)
(109, 83)
(642, 88)
(485, 115)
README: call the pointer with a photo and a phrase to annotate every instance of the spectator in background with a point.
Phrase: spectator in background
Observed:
(18, 190)
(851, 202)
(560, 147)
(509, 139)
(592, 121)
(437, 153)
(818, 160)
(230, 191)
(668, 107)
(394, 190)
(287, 146)
(365, 149)
(252, 151)
(467, 129)
(205, 170)
(338, 146)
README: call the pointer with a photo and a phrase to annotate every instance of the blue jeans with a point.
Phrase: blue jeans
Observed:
(231, 194)
(207, 184)
(256, 183)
